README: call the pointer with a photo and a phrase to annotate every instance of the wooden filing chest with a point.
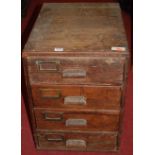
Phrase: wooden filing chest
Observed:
(75, 65)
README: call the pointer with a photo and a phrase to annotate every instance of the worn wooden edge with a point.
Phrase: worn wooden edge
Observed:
(30, 103)
(81, 84)
(108, 4)
(110, 85)
(127, 67)
(93, 54)
(76, 131)
(77, 85)
(116, 150)
(82, 111)
(88, 110)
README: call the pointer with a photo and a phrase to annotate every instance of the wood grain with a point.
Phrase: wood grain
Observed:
(106, 70)
(56, 119)
(97, 97)
(77, 27)
(76, 68)
(94, 141)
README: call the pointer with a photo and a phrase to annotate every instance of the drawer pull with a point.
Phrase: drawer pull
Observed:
(75, 100)
(76, 122)
(73, 73)
(51, 66)
(75, 143)
(55, 139)
(46, 117)
(46, 93)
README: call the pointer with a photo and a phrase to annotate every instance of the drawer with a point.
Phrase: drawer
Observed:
(75, 70)
(77, 141)
(81, 97)
(76, 120)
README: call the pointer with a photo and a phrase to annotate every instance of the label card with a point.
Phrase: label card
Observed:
(58, 49)
(118, 48)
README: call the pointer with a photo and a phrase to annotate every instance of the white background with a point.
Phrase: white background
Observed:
(10, 77)
(144, 77)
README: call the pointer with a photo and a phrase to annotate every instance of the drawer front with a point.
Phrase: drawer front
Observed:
(69, 120)
(73, 70)
(77, 141)
(87, 97)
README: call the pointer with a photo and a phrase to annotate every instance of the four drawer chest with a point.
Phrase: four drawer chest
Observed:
(76, 65)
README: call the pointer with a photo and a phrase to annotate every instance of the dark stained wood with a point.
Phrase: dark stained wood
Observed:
(93, 141)
(96, 97)
(76, 66)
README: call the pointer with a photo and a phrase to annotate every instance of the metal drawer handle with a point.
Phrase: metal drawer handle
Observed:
(75, 100)
(51, 66)
(76, 143)
(57, 96)
(46, 117)
(73, 73)
(76, 122)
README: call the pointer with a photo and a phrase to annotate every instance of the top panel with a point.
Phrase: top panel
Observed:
(78, 27)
